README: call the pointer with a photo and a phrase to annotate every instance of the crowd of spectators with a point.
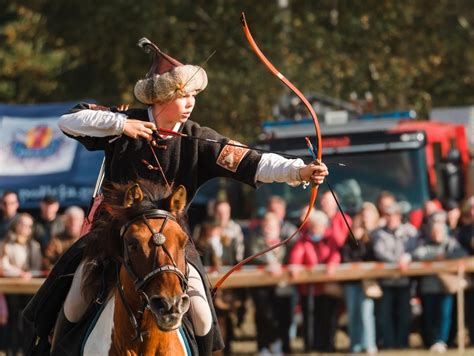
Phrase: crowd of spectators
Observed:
(29, 246)
(379, 312)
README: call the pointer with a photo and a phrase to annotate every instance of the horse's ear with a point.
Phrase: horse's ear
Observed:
(134, 194)
(178, 200)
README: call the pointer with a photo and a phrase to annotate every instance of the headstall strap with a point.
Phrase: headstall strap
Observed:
(153, 213)
(159, 240)
(158, 237)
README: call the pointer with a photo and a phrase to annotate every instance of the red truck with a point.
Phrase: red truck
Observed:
(417, 160)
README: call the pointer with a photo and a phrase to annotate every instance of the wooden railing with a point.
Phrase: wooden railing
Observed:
(257, 276)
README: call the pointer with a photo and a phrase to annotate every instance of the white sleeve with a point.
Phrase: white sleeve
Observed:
(275, 168)
(95, 123)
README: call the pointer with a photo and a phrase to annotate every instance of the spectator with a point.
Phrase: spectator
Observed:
(277, 205)
(229, 228)
(384, 200)
(48, 223)
(233, 232)
(3, 322)
(465, 227)
(218, 250)
(418, 216)
(465, 236)
(273, 305)
(337, 228)
(9, 207)
(73, 219)
(316, 247)
(393, 243)
(453, 215)
(19, 255)
(360, 308)
(429, 208)
(437, 302)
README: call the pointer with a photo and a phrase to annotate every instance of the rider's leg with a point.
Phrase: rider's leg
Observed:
(75, 304)
(199, 310)
(73, 308)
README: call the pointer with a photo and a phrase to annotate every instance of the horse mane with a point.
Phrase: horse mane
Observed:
(105, 245)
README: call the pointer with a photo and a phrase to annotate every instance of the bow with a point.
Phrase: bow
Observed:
(284, 80)
(314, 188)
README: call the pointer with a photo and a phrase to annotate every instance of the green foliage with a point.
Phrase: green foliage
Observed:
(29, 66)
(409, 54)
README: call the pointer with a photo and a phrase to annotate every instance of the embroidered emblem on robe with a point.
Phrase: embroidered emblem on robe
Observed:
(231, 156)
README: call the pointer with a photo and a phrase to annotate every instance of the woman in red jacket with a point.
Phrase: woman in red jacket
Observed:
(316, 246)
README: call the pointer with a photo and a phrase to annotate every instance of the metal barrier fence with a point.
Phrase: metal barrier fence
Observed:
(257, 276)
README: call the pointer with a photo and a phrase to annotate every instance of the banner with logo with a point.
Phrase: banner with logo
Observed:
(34, 147)
(37, 159)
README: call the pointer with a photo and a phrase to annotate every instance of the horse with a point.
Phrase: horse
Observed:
(139, 226)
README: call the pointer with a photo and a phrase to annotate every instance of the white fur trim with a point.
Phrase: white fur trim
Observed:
(185, 79)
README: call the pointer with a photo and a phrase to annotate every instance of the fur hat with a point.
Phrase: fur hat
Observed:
(167, 78)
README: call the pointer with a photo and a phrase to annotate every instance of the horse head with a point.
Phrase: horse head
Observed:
(153, 272)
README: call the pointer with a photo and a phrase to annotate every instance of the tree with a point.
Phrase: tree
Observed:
(408, 54)
(29, 66)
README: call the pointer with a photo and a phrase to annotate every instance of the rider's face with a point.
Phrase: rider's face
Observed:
(176, 111)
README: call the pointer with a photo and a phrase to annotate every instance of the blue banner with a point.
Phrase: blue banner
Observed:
(37, 159)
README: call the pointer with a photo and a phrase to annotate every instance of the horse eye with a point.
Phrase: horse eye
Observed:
(132, 245)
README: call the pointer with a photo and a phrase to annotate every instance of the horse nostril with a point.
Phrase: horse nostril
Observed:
(184, 304)
(176, 304)
(160, 305)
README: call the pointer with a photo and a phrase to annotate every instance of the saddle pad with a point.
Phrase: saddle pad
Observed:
(184, 342)
(99, 340)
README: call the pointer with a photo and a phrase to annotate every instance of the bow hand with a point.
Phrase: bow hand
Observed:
(315, 172)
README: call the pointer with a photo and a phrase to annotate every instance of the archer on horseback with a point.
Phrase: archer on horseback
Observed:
(134, 148)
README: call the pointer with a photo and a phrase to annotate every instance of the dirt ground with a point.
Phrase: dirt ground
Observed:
(245, 343)
(250, 348)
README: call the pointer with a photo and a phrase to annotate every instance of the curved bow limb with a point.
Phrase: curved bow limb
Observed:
(314, 188)
(284, 80)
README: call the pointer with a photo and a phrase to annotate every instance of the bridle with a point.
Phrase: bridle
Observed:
(158, 239)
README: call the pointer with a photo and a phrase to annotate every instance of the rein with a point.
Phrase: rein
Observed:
(158, 239)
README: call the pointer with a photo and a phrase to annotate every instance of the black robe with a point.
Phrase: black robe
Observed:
(185, 161)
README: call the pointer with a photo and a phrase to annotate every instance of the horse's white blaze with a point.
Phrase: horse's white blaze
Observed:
(100, 339)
